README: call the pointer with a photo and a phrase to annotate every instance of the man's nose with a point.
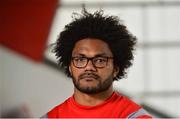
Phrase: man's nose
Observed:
(90, 66)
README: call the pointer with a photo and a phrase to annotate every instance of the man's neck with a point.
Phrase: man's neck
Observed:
(92, 99)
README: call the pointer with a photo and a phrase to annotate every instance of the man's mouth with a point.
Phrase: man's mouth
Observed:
(89, 77)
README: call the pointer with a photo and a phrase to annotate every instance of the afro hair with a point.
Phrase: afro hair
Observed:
(99, 26)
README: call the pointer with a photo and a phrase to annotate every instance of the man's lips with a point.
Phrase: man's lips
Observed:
(89, 77)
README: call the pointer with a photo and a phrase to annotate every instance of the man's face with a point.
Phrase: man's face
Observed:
(92, 76)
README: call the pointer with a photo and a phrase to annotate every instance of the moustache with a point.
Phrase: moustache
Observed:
(89, 75)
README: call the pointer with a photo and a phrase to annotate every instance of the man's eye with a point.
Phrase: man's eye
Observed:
(79, 59)
(100, 60)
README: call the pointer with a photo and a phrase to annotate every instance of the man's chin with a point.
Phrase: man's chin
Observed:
(88, 84)
(88, 90)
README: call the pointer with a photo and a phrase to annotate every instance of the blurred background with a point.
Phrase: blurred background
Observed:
(31, 83)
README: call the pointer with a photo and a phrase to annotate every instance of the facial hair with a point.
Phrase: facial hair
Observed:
(100, 87)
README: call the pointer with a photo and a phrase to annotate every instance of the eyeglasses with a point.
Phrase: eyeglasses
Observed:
(98, 62)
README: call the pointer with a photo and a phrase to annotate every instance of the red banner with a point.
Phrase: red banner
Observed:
(25, 25)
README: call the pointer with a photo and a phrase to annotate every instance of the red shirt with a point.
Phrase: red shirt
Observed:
(117, 106)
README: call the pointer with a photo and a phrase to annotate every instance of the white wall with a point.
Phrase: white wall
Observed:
(35, 85)
(0, 81)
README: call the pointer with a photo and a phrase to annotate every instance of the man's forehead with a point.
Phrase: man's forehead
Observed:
(91, 47)
(91, 55)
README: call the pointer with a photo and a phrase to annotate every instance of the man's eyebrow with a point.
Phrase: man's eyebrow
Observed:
(79, 54)
(101, 55)
(98, 55)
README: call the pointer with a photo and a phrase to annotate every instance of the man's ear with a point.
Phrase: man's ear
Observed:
(70, 70)
(116, 71)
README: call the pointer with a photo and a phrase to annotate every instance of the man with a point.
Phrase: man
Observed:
(95, 50)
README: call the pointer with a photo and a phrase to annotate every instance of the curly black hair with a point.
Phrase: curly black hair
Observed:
(96, 25)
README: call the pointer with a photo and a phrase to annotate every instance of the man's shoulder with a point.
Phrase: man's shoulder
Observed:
(61, 105)
(130, 108)
(133, 110)
(125, 101)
